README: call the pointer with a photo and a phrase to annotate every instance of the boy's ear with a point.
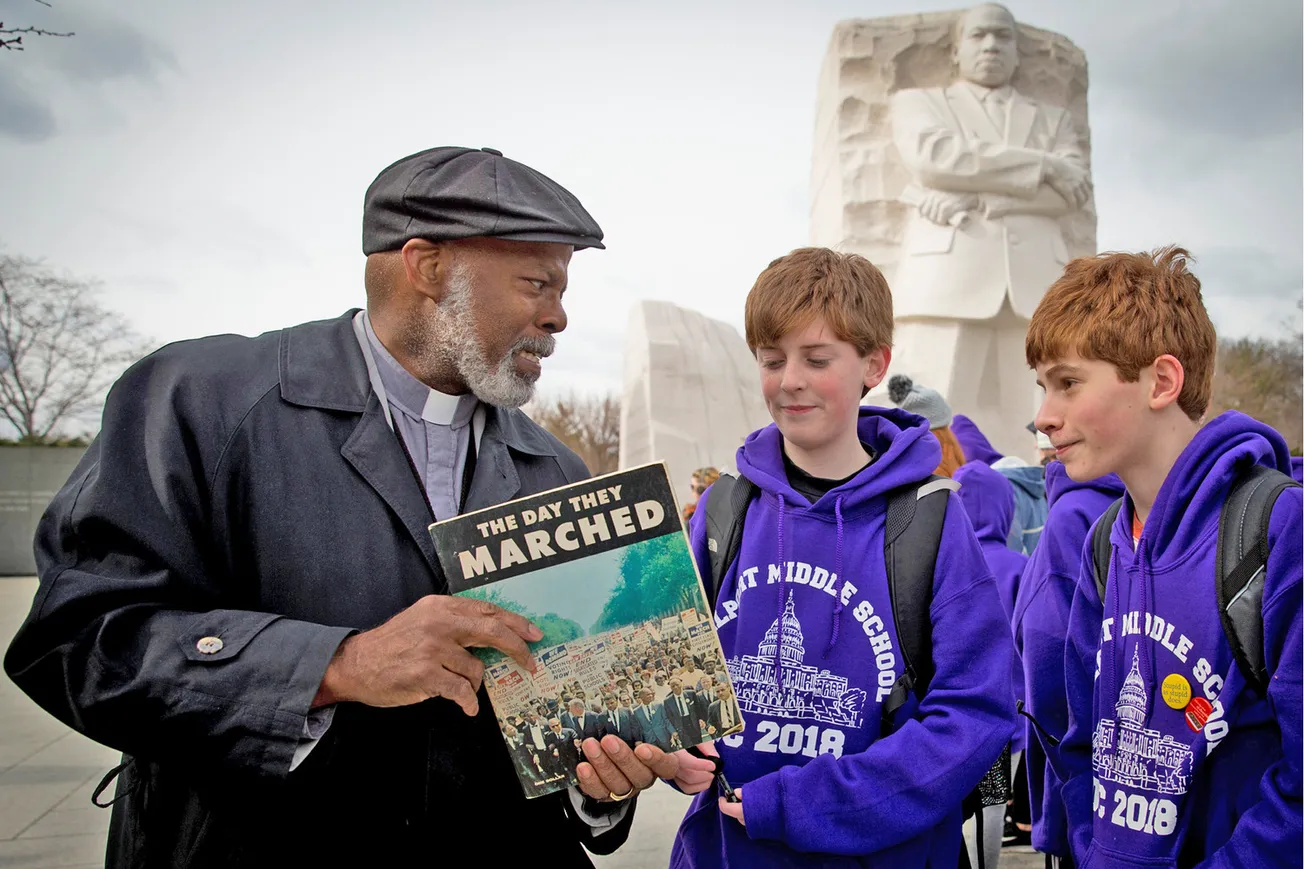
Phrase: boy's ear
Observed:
(1169, 378)
(876, 365)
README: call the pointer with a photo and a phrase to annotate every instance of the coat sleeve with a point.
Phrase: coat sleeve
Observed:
(137, 637)
(906, 783)
(1270, 832)
(940, 156)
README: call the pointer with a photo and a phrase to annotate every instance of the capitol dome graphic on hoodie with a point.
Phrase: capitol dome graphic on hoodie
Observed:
(805, 622)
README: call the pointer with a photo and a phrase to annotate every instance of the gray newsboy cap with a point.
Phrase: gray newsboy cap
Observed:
(450, 193)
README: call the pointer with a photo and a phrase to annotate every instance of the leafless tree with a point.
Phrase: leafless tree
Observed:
(60, 348)
(589, 425)
(1263, 378)
(11, 38)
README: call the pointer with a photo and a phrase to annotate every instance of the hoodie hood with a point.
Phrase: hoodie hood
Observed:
(1059, 484)
(1198, 483)
(1155, 669)
(904, 448)
(974, 443)
(988, 498)
(1030, 478)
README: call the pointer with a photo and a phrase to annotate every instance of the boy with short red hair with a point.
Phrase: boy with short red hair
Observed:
(1174, 755)
(845, 761)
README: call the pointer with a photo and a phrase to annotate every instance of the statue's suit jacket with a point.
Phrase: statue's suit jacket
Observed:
(1013, 243)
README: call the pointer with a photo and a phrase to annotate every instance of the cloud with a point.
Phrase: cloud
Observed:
(70, 76)
(1250, 291)
(1211, 68)
(106, 48)
(22, 115)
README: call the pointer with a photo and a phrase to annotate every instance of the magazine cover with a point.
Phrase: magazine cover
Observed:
(603, 568)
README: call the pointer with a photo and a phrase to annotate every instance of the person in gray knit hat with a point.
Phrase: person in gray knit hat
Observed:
(929, 403)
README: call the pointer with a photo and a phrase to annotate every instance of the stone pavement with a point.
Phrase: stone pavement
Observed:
(47, 773)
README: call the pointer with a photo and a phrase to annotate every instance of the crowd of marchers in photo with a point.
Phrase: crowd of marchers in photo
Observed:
(661, 693)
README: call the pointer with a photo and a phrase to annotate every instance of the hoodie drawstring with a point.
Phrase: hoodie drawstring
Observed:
(837, 569)
(1147, 655)
(1115, 615)
(778, 663)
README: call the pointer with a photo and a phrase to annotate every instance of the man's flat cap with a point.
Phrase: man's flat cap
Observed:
(451, 193)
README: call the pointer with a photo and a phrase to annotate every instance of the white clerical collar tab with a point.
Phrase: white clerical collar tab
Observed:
(441, 408)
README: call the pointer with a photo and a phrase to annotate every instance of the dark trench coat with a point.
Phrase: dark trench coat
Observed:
(250, 489)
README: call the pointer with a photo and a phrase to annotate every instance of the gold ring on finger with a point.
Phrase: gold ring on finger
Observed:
(618, 797)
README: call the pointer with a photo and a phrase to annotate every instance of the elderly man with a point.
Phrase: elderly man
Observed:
(237, 586)
(994, 172)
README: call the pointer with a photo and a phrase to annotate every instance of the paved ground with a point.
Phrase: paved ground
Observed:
(47, 773)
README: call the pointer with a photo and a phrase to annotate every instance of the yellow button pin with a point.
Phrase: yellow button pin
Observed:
(1176, 690)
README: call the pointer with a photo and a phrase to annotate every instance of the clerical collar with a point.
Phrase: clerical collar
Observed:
(412, 396)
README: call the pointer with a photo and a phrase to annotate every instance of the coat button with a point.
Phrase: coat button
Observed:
(209, 645)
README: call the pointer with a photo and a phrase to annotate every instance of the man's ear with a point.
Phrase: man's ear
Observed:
(1169, 378)
(424, 264)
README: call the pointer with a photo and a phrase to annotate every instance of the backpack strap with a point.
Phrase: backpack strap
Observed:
(915, 515)
(1242, 561)
(726, 508)
(1100, 545)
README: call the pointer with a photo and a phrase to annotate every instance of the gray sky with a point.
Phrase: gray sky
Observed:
(208, 161)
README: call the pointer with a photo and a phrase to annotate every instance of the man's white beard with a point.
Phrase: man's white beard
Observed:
(452, 338)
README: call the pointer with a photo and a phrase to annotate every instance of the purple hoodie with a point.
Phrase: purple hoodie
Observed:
(974, 443)
(988, 499)
(1041, 624)
(825, 781)
(1171, 759)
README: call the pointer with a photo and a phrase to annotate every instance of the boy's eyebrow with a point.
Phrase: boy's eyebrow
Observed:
(1061, 368)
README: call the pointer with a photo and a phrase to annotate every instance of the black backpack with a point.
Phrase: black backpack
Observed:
(915, 513)
(1242, 557)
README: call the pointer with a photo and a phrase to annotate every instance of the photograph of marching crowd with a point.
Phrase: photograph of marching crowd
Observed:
(649, 669)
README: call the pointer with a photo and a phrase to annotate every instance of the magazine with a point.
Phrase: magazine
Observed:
(629, 647)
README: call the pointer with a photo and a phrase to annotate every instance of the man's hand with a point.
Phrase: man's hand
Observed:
(422, 653)
(1068, 179)
(947, 209)
(612, 768)
(734, 810)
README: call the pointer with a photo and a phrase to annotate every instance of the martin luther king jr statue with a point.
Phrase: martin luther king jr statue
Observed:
(993, 172)
(969, 190)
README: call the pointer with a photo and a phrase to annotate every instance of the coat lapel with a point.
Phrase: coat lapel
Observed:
(374, 452)
(972, 116)
(1023, 114)
(495, 479)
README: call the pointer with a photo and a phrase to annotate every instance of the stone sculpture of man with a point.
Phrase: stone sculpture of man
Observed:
(992, 174)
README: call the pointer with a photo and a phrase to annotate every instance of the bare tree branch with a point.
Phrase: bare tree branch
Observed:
(11, 38)
(589, 425)
(1263, 378)
(59, 349)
